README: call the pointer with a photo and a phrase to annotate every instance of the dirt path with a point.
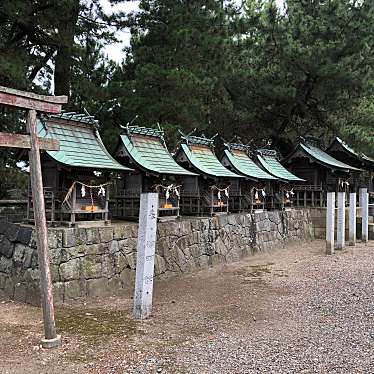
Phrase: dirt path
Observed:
(294, 310)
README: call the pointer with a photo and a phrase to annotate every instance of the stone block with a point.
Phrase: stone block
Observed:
(24, 235)
(127, 278)
(27, 257)
(69, 238)
(33, 295)
(195, 224)
(12, 231)
(6, 247)
(160, 265)
(131, 259)
(220, 247)
(74, 289)
(6, 265)
(55, 255)
(182, 243)
(163, 229)
(58, 292)
(203, 262)
(97, 249)
(193, 238)
(127, 245)
(34, 259)
(55, 273)
(3, 227)
(113, 247)
(195, 251)
(120, 262)
(105, 234)
(70, 253)
(115, 287)
(184, 227)
(93, 267)
(122, 232)
(19, 252)
(32, 243)
(71, 270)
(31, 276)
(108, 266)
(216, 259)
(189, 266)
(98, 287)
(162, 246)
(80, 236)
(55, 238)
(92, 235)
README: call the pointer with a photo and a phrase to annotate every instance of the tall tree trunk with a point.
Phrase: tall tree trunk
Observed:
(63, 60)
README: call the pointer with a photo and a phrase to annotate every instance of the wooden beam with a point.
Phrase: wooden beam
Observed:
(31, 95)
(51, 338)
(29, 100)
(8, 140)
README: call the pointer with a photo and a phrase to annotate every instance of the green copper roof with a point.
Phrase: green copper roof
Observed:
(270, 163)
(322, 157)
(345, 147)
(243, 164)
(80, 143)
(148, 151)
(205, 161)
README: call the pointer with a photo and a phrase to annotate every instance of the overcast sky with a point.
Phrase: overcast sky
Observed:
(114, 51)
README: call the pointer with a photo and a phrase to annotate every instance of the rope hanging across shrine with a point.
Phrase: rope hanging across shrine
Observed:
(289, 193)
(83, 191)
(171, 189)
(344, 183)
(257, 190)
(219, 190)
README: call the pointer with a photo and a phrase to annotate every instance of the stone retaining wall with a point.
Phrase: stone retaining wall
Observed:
(99, 261)
(318, 219)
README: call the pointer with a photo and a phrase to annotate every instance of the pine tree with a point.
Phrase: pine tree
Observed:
(175, 68)
(299, 69)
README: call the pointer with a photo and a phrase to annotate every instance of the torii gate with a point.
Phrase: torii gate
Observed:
(33, 103)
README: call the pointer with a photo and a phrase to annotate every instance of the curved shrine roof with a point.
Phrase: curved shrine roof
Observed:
(268, 160)
(242, 163)
(147, 150)
(203, 159)
(80, 142)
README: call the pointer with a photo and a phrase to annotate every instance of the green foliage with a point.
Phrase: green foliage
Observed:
(298, 69)
(175, 68)
(357, 126)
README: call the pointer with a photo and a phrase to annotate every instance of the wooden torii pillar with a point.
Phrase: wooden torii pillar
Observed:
(33, 103)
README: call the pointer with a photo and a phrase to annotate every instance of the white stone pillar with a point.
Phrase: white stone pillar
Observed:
(352, 218)
(364, 202)
(340, 225)
(330, 223)
(145, 259)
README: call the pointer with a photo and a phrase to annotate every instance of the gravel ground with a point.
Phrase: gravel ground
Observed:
(294, 310)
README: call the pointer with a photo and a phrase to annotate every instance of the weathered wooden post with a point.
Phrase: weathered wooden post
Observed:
(364, 203)
(33, 103)
(340, 227)
(51, 339)
(352, 218)
(145, 259)
(330, 223)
